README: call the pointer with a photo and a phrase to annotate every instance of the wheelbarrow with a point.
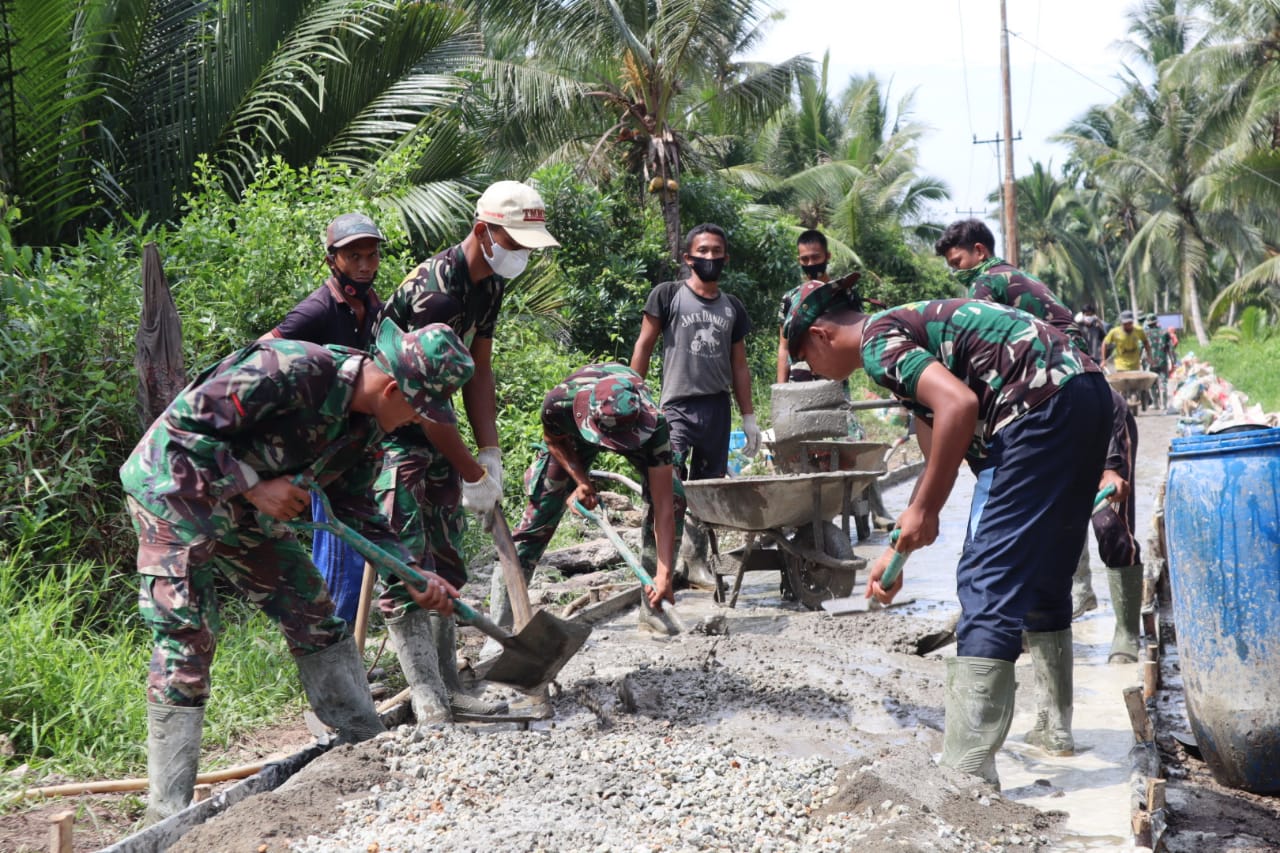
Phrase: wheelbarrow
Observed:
(1131, 384)
(785, 520)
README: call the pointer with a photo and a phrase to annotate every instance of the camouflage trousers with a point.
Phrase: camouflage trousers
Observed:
(420, 493)
(179, 562)
(549, 486)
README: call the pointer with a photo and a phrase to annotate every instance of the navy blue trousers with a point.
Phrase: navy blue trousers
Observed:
(1029, 518)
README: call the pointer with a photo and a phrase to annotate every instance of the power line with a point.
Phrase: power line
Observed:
(1035, 56)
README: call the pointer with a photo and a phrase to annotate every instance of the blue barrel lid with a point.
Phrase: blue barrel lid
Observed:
(1229, 442)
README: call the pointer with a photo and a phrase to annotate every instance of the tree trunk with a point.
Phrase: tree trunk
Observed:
(1191, 301)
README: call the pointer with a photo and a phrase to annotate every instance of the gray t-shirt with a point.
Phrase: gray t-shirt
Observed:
(697, 337)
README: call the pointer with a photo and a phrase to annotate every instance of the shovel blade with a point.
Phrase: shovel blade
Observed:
(536, 655)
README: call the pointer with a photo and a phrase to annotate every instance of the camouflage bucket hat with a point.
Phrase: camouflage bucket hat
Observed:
(810, 301)
(348, 228)
(428, 365)
(616, 412)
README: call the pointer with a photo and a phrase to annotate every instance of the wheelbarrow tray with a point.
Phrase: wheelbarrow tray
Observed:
(1131, 381)
(772, 502)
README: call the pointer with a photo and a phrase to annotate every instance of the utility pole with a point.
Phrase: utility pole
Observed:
(1010, 198)
(1004, 188)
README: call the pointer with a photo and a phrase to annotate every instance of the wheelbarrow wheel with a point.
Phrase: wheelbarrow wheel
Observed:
(810, 583)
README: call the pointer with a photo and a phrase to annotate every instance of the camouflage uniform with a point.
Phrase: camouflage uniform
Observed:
(997, 281)
(1162, 350)
(272, 409)
(418, 489)
(566, 410)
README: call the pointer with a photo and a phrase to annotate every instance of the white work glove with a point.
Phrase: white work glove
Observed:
(752, 431)
(491, 459)
(482, 496)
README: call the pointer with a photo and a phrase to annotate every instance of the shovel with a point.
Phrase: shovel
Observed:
(529, 659)
(862, 604)
(670, 618)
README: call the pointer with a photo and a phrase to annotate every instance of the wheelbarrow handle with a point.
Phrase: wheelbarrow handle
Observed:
(890, 576)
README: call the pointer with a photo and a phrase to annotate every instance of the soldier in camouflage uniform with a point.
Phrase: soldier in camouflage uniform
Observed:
(208, 489)
(996, 387)
(1163, 357)
(429, 472)
(597, 408)
(969, 248)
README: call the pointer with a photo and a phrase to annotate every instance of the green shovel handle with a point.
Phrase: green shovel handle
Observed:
(623, 548)
(1102, 497)
(890, 576)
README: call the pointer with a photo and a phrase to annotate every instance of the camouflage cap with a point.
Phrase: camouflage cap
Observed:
(811, 301)
(617, 412)
(1150, 319)
(428, 365)
(348, 228)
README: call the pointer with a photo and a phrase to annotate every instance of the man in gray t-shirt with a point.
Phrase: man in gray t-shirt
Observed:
(704, 357)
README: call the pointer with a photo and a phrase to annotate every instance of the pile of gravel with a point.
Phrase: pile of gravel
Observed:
(465, 789)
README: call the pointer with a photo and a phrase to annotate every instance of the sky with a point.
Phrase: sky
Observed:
(1064, 57)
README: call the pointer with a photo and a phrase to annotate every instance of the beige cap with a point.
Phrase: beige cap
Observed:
(517, 208)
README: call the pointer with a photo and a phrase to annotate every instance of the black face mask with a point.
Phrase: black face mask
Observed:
(351, 287)
(708, 269)
(813, 271)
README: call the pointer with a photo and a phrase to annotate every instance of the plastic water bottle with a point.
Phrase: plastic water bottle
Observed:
(737, 460)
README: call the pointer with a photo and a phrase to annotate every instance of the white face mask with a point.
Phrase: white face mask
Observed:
(507, 263)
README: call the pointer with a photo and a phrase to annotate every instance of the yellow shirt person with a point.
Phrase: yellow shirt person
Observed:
(1126, 343)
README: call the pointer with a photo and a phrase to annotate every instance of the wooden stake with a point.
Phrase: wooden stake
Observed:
(1149, 625)
(1142, 829)
(202, 793)
(1155, 794)
(1150, 678)
(60, 832)
(112, 786)
(1138, 717)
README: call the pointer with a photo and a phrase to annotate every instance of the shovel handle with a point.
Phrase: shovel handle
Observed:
(623, 548)
(1102, 497)
(890, 576)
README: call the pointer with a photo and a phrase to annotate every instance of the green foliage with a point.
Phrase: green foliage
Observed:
(1249, 365)
(611, 254)
(237, 265)
(67, 416)
(1253, 327)
(87, 719)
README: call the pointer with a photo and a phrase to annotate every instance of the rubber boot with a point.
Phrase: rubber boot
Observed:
(338, 690)
(1082, 597)
(415, 646)
(979, 704)
(1052, 662)
(692, 567)
(445, 632)
(1126, 600)
(173, 754)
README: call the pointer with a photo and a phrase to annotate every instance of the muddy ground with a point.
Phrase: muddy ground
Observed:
(781, 683)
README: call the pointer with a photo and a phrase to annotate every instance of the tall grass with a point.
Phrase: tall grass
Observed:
(72, 671)
(1249, 365)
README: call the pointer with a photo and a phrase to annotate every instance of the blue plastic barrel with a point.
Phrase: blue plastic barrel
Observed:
(1222, 525)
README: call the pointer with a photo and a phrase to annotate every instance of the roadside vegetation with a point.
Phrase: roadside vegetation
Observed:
(635, 126)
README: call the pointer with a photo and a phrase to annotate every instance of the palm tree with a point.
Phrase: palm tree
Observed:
(588, 79)
(105, 105)
(868, 187)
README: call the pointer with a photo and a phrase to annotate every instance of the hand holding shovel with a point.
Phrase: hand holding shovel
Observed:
(885, 585)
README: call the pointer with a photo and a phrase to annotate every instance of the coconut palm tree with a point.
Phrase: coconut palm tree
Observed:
(630, 81)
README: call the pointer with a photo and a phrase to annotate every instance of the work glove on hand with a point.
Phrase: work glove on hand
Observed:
(752, 432)
(491, 459)
(482, 497)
